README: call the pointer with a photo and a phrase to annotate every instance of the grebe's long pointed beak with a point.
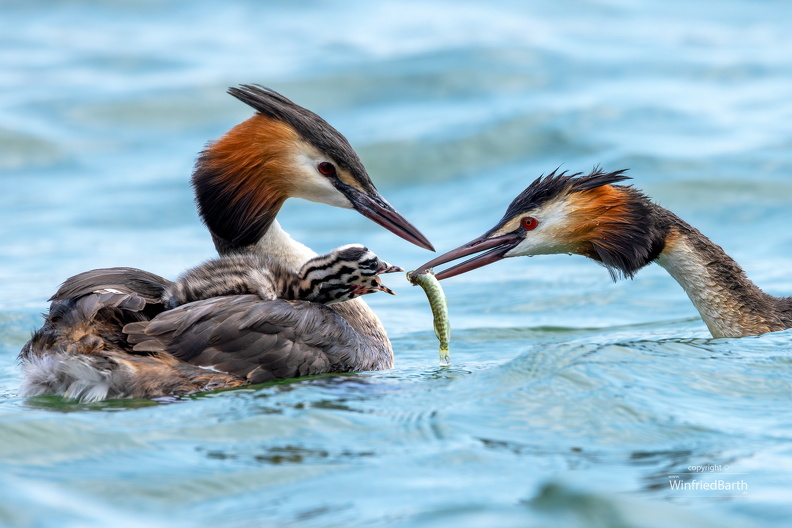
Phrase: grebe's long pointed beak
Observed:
(374, 207)
(498, 247)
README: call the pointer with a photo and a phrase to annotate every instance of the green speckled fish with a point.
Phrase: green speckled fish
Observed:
(437, 300)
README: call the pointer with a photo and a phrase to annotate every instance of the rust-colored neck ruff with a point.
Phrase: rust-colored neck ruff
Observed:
(624, 230)
(240, 181)
(616, 226)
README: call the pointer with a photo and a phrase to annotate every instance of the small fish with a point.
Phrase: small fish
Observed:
(437, 300)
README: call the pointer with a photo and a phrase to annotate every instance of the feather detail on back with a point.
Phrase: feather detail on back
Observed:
(231, 275)
(81, 352)
(252, 340)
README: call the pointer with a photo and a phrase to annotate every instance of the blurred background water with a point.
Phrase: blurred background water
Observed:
(571, 399)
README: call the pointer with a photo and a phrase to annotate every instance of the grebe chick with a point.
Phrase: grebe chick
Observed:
(622, 229)
(342, 274)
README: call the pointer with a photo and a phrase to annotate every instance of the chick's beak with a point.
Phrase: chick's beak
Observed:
(384, 267)
(498, 246)
(382, 287)
(374, 287)
(374, 207)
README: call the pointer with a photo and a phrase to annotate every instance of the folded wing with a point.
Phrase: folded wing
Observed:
(249, 338)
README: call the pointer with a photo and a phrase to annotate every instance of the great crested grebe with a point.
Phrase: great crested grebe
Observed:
(240, 183)
(622, 229)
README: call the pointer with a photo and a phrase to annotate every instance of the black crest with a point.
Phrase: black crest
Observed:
(310, 126)
(545, 188)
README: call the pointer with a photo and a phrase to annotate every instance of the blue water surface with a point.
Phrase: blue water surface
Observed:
(571, 400)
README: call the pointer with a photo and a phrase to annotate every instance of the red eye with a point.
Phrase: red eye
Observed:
(528, 223)
(326, 168)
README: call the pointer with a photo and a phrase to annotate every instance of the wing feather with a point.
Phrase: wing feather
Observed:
(252, 338)
(126, 280)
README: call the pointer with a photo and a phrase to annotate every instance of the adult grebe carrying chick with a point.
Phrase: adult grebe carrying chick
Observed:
(240, 182)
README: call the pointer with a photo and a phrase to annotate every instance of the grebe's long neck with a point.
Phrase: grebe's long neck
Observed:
(729, 303)
(278, 245)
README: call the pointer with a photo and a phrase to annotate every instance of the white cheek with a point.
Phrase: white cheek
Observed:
(534, 243)
(310, 185)
(551, 235)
